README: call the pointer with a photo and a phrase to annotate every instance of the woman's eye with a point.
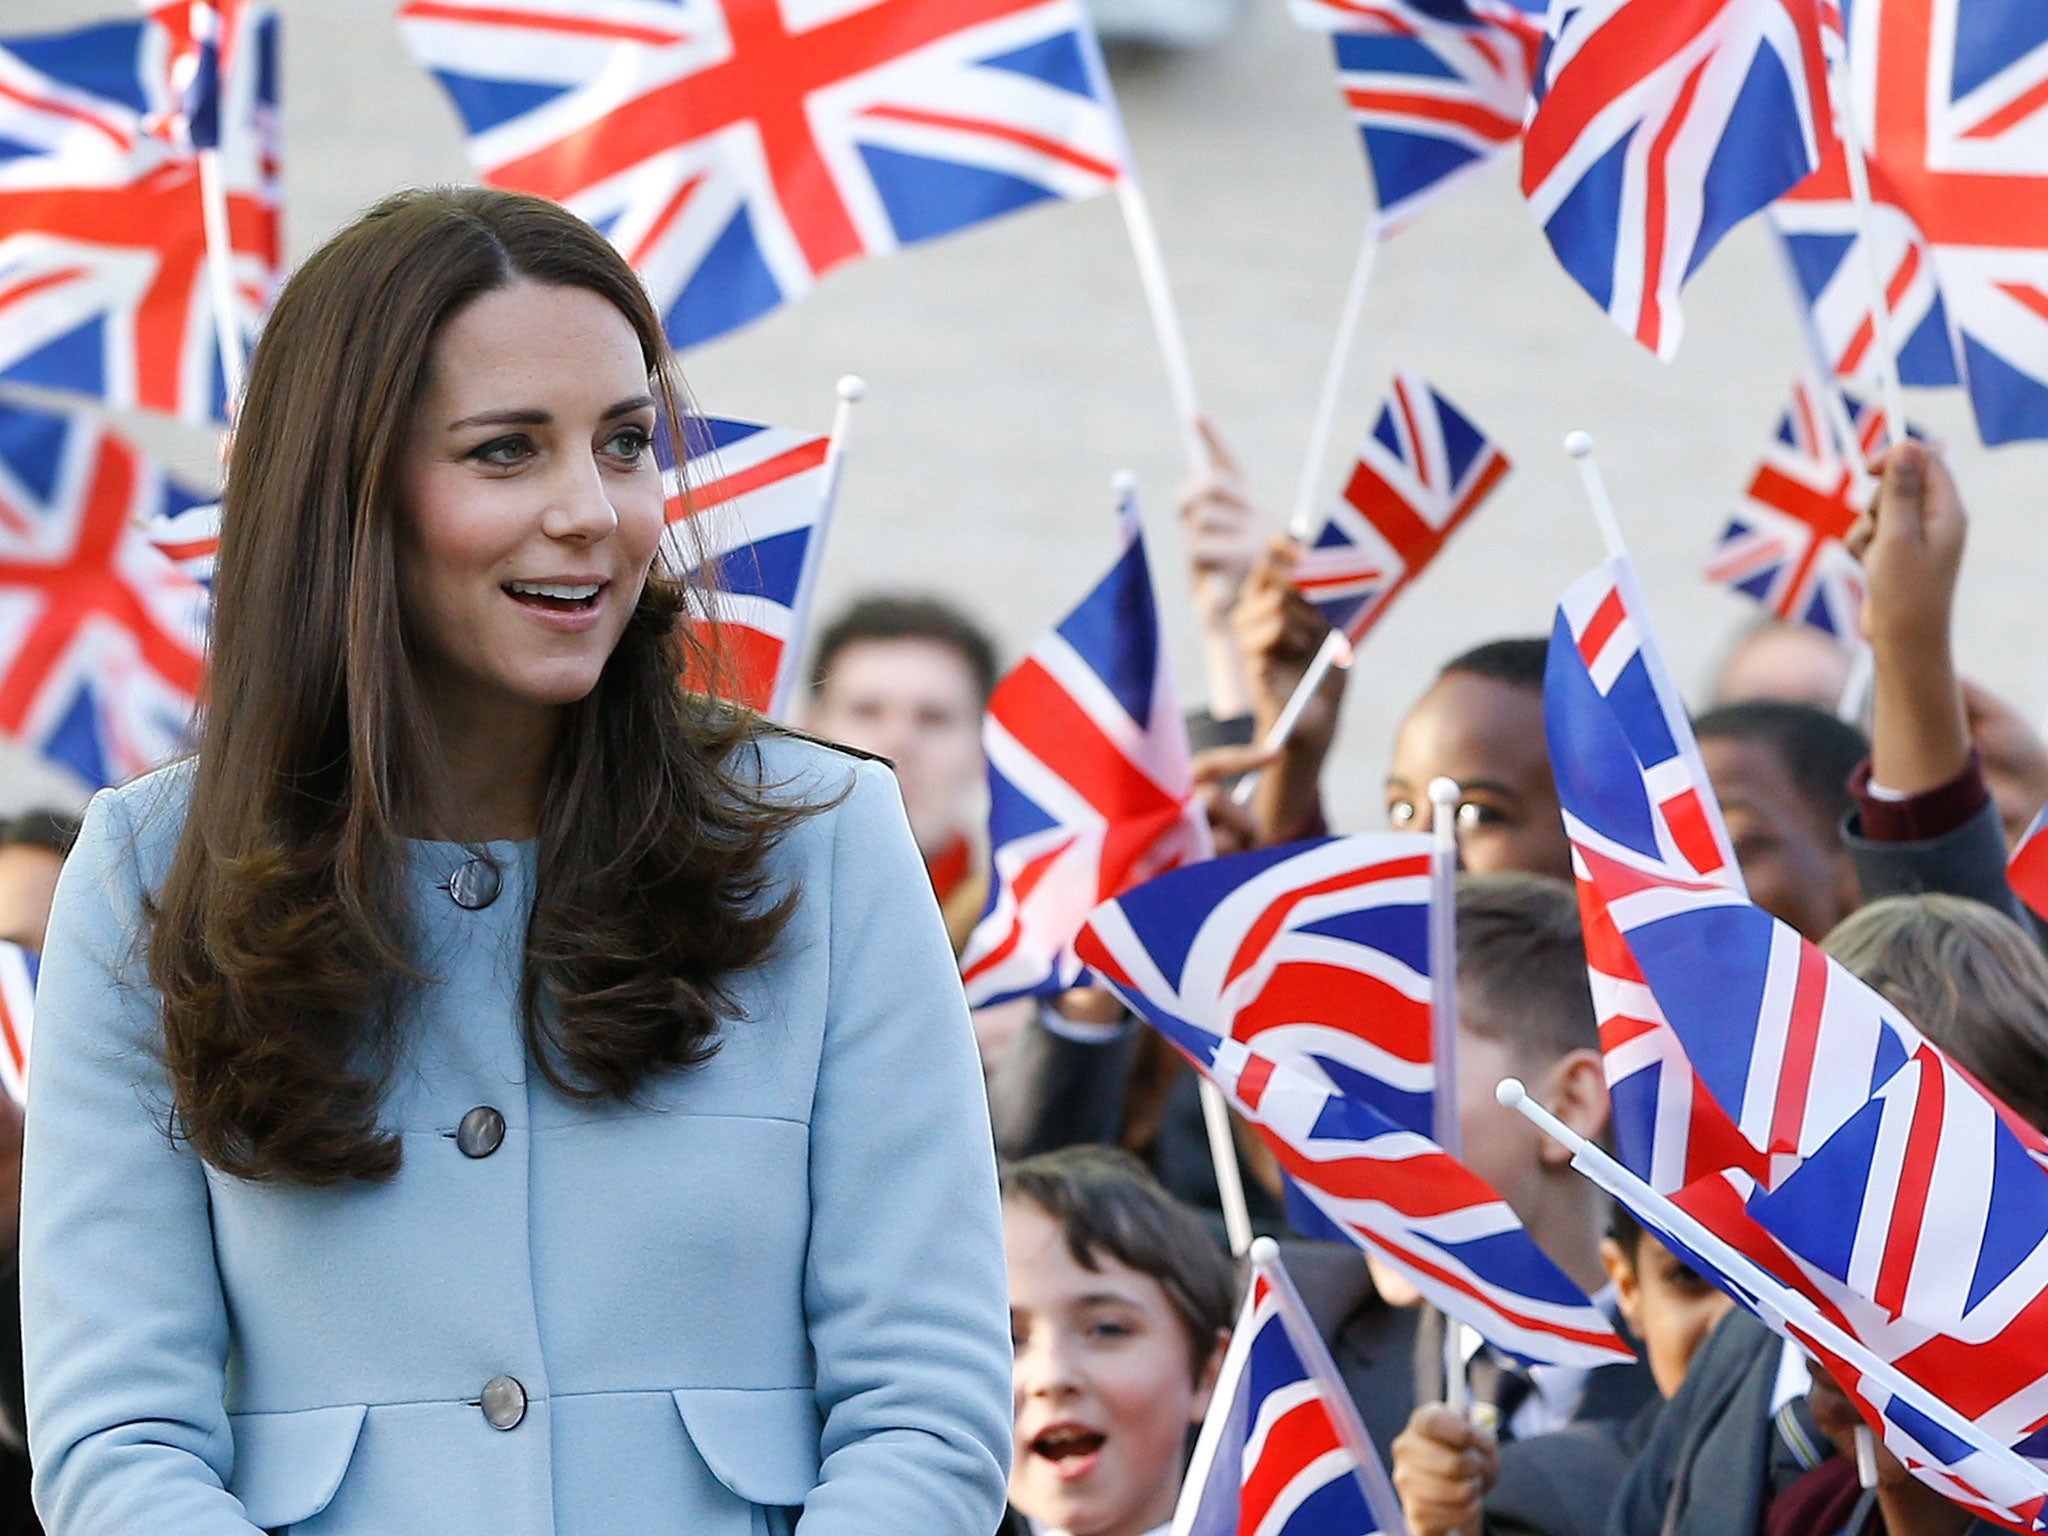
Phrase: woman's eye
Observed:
(629, 444)
(502, 450)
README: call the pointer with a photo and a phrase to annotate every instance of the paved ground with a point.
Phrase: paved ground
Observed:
(1012, 370)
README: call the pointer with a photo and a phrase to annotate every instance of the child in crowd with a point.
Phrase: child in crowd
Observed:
(1120, 1308)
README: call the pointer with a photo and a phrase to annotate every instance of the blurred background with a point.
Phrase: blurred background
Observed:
(1012, 371)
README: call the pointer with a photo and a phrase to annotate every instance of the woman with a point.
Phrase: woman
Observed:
(489, 1089)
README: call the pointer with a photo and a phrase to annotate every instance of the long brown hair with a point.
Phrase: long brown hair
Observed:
(281, 940)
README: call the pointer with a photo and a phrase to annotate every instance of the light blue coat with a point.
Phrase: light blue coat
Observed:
(776, 1282)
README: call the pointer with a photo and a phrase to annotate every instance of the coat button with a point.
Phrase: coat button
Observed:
(503, 1402)
(480, 1133)
(476, 884)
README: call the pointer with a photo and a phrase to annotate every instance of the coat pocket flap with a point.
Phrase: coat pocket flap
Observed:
(288, 1465)
(761, 1443)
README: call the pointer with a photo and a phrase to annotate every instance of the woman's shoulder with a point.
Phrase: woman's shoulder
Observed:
(796, 768)
(137, 823)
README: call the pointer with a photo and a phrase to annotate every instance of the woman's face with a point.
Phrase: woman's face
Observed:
(532, 503)
(1103, 1392)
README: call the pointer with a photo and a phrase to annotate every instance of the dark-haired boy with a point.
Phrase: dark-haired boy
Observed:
(1120, 1308)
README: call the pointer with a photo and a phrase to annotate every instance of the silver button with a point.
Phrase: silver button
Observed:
(476, 884)
(503, 1402)
(480, 1133)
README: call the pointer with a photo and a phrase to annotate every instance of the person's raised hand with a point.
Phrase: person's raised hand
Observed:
(1911, 546)
(1223, 529)
(1232, 827)
(1443, 1466)
(1278, 633)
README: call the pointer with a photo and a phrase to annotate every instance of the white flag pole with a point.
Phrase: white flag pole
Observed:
(1173, 346)
(220, 272)
(1841, 94)
(1335, 651)
(1580, 446)
(851, 389)
(1302, 523)
(1443, 960)
(1769, 1293)
(1237, 1216)
(1373, 1481)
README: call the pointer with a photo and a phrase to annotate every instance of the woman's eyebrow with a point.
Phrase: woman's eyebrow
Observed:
(533, 416)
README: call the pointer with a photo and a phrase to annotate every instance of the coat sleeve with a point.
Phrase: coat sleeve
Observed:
(904, 1284)
(124, 1330)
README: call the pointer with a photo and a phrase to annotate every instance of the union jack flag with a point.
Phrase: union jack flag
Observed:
(1606, 677)
(1784, 546)
(1660, 125)
(103, 287)
(100, 635)
(737, 151)
(17, 1017)
(1424, 470)
(1437, 88)
(1950, 98)
(1089, 786)
(747, 517)
(1282, 1451)
(1295, 980)
(1819, 230)
(1633, 786)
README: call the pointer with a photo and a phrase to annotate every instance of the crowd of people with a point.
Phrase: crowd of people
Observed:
(489, 1088)
(1884, 839)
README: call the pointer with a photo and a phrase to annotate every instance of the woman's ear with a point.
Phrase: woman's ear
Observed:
(1575, 1090)
(1205, 1378)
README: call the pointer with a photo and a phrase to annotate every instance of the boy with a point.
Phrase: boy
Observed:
(1120, 1308)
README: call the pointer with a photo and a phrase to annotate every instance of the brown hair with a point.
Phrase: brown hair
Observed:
(1106, 1201)
(280, 941)
(1521, 951)
(1969, 977)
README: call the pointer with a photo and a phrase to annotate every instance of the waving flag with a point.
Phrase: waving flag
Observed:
(748, 516)
(1660, 125)
(100, 642)
(103, 288)
(1282, 1451)
(1089, 786)
(1797, 1114)
(1293, 979)
(18, 968)
(1819, 231)
(1951, 96)
(1784, 546)
(737, 151)
(1437, 88)
(1424, 470)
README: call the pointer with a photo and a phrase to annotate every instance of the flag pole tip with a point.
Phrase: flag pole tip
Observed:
(1578, 444)
(1125, 483)
(852, 387)
(1509, 1093)
(1443, 793)
(1265, 1253)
